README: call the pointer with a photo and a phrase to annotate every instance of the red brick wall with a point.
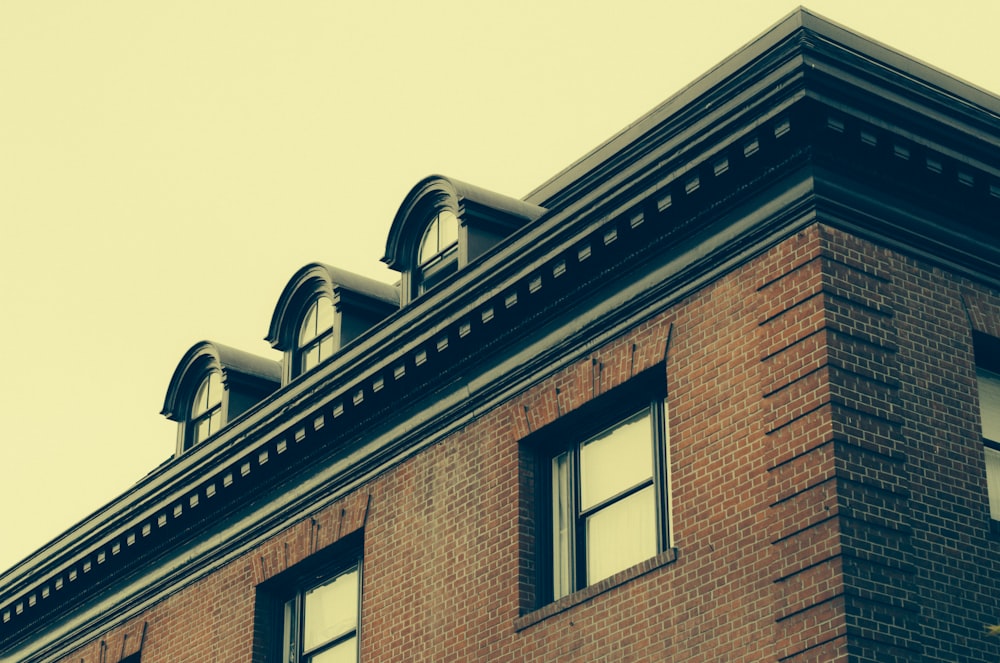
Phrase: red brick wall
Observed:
(792, 472)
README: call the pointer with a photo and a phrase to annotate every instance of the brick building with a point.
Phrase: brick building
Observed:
(725, 389)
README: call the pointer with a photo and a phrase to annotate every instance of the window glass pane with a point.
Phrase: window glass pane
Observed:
(562, 525)
(993, 481)
(989, 403)
(291, 636)
(616, 460)
(429, 245)
(200, 404)
(441, 233)
(310, 358)
(621, 535)
(215, 422)
(307, 331)
(202, 430)
(331, 610)
(344, 652)
(319, 318)
(209, 394)
(326, 347)
(324, 315)
(447, 229)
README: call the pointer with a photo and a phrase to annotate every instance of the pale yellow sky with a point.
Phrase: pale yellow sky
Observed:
(165, 167)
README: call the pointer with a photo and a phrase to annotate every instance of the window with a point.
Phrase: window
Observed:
(606, 501)
(989, 408)
(316, 339)
(320, 622)
(206, 409)
(437, 256)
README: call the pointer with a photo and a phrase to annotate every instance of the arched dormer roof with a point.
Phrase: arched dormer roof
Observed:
(246, 379)
(359, 303)
(236, 366)
(493, 214)
(337, 284)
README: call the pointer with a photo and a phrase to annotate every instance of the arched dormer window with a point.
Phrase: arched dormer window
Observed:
(443, 225)
(316, 335)
(212, 386)
(437, 256)
(206, 411)
(321, 310)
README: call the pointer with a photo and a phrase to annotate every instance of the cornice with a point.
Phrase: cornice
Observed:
(803, 53)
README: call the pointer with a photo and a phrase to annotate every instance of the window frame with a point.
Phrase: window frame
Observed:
(318, 339)
(987, 359)
(297, 598)
(218, 407)
(443, 262)
(570, 433)
(274, 594)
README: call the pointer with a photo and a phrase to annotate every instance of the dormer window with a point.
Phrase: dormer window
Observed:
(316, 338)
(438, 253)
(212, 386)
(206, 412)
(442, 226)
(321, 310)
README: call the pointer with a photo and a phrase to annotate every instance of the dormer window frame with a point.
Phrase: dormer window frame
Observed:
(438, 254)
(319, 342)
(295, 311)
(357, 303)
(201, 372)
(213, 391)
(483, 220)
(236, 381)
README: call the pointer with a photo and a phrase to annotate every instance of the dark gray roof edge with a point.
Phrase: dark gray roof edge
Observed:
(799, 19)
(231, 360)
(498, 201)
(362, 285)
(247, 363)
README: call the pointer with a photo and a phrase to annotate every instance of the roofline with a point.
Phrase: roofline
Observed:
(799, 21)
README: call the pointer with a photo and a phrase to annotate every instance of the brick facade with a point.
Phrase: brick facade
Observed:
(826, 477)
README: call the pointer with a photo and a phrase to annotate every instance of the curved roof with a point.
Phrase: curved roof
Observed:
(231, 361)
(440, 192)
(330, 280)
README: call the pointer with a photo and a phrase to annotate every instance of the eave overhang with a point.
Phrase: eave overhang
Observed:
(764, 145)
